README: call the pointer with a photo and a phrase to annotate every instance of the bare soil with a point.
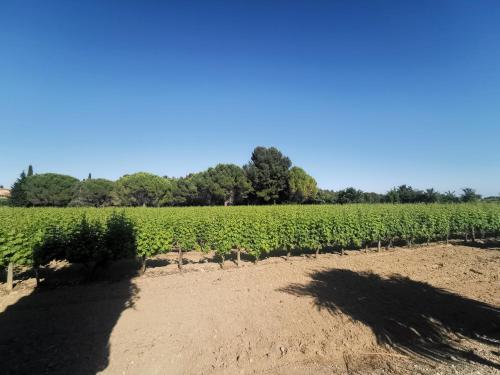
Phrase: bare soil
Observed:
(426, 310)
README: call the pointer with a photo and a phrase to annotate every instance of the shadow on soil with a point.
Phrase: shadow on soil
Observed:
(412, 317)
(64, 330)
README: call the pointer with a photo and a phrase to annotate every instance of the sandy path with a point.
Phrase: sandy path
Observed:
(303, 316)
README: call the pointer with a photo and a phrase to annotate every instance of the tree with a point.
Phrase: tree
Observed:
(18, 192)
(326, 196)
(392, 196)
(268, 172)
(184, 191)
(30, 170)
(350, 195)
(403, 194)
(142, 189)
(469, 195)
(89, 177)
(95, 193)
(50, 189)
(430, 196)
(372, 197)
(225, 184)
(301, 187)
(449, 197)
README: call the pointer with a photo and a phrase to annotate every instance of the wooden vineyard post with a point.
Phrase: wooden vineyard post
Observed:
(378, 245)
(143, 264)
(37, 276)
(238, 256)
(389, 245)
(179, 259)
(10, 276)
(223, 259)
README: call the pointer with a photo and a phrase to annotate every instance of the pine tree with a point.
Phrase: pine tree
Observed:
(30, 170)
(90, 176)
(18, 193)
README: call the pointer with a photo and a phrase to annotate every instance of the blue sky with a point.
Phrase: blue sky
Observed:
(370, 94)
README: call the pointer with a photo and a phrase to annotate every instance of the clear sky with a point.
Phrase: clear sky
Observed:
(370, 94)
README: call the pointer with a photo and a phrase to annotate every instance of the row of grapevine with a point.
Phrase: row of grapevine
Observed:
(35, 236)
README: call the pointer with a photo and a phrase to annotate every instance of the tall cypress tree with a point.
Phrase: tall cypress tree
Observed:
(18, 192)
(90, 176)
(30, 170)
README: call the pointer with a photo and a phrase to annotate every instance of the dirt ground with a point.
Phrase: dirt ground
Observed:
(428, 310)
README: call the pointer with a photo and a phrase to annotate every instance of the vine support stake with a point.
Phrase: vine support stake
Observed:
(10, 276)
(256, 259)
(143, 264)
(316, 254)
(378, 245)
(179, 259)
(238, 257)
(37, 276)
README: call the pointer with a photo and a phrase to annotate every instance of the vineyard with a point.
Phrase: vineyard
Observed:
(36, 236)
(401, 311)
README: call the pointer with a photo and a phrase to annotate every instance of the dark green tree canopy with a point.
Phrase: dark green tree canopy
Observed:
(326, 196)
(18, 192)
(268, 172)
(301, 187)
(469, 195)
(142, 189)
(184, 192)
(267, 178)
(350, 195)
(50, 189)
(226, 184)
(97, 193)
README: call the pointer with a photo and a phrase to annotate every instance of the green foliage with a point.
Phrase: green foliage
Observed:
(82, 236)
(142, 189)
(325, 196)
(268, 172)
(90, 235)
(301, 187)
(96, 193)
(49, 189)
(18, 192)
(469, 195)
(226, 184)
(350, 195)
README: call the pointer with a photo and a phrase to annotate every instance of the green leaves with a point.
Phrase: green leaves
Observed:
(39, 235)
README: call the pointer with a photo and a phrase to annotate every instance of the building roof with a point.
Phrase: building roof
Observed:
(4, 193)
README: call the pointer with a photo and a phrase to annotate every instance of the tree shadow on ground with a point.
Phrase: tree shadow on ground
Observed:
(63, 331)
(410, 316)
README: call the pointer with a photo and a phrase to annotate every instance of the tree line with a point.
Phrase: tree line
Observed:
(268, 178)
